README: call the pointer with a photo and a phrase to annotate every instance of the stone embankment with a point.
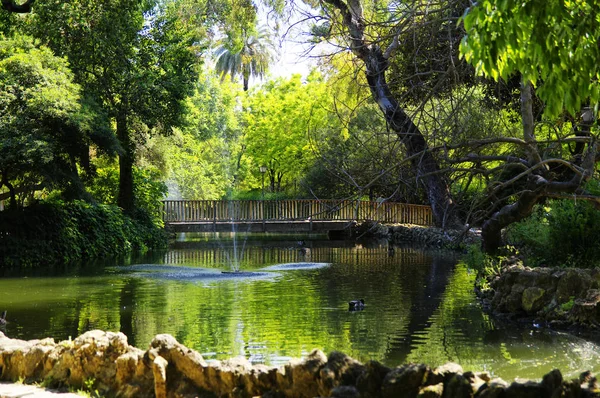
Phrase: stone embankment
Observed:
(426, 236)
(557, 296)
(104, 362)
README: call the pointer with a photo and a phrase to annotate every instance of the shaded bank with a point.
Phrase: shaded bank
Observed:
(432, 237)
(53, 233)
(105, 362)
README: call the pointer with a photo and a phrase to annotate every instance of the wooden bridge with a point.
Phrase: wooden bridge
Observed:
(286, 215)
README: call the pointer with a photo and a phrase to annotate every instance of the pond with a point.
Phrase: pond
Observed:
(291, 297)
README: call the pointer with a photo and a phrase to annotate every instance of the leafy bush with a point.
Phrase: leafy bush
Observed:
(148, 190)
(50, 233)
(257, 195)
(563, 233)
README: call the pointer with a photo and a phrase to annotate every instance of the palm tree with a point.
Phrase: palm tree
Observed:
(252, 60)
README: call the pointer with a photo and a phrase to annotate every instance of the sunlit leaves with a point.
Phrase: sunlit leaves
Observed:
(553, 44)
(40, 115)
(280, 119)
(249, 58)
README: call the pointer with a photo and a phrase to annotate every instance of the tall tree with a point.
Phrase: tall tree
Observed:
(280, 119)
(135, 58)
(250, 60)
(554, 47)
(365, 42)
(44, 132)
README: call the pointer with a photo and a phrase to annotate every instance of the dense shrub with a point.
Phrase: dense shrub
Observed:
(148, 189)
(49, 233)
(562, 232)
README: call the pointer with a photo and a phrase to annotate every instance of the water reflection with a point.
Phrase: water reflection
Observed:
(420, 306)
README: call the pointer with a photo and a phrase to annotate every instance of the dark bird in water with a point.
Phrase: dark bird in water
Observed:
(3, 318)
(356, 305)
(302, 248)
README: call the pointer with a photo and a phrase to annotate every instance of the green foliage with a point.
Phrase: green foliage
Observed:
(52, 233)
(566, 307)
(250, 59)
(552, 43)
(257, 195)
(43, 128)
(205, 156)
(136, 59)
(561, 233)
(281, 123)
(485, 264)
(149, 190)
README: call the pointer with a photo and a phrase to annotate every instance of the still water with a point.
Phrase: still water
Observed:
(291, 298)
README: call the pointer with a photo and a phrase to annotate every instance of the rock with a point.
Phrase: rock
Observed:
(431, 236)
(340, 369)
(527, 390)
(574, 283)
(404, 381)
(345, 392)
(371, 229)
(586, 310)
(159, 370)
(485, 376)
(541, 292)
(299, 377)
(552, 381)
(458, 387)
(474, 380)
(532, 299)
(515, 299)
(444, 373)
(169, 369)
(492, 391)
(370, 381)
(433, 391)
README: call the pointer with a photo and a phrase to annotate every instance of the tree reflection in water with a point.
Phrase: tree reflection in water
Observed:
(420, 306)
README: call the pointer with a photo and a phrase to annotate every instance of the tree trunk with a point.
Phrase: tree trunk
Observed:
(11, 190)
(424, 164)
(126, 159)
(491, 232)
(540, 183)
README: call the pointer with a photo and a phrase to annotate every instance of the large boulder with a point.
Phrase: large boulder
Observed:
(532, 299)
(549, 294)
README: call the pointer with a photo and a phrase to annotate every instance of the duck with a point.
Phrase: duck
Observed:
(356, 305)
(3, 320)
(302, 250)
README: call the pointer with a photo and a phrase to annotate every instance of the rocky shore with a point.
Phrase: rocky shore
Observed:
(104, 362)
(409, 233)
(558, 297)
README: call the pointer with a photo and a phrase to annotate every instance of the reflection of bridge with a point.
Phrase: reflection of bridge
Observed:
(286, 215)
(253, 255)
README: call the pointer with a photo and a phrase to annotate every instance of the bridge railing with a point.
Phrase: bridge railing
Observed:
(294, 210)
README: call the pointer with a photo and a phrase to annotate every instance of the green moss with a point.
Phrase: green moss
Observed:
(566, 307)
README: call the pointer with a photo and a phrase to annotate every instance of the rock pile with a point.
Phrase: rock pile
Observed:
(103, 361)
(555, 295)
